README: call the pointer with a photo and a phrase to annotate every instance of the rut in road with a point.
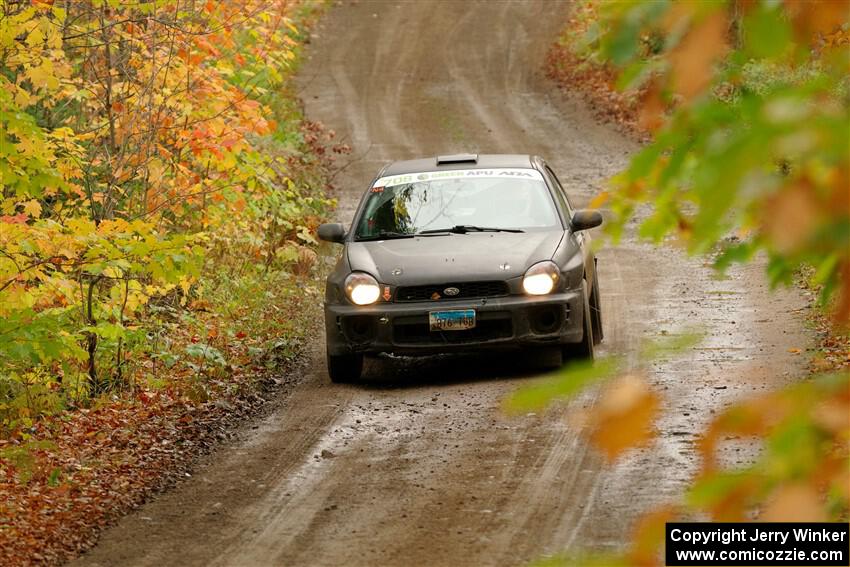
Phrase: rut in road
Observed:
(418, 465)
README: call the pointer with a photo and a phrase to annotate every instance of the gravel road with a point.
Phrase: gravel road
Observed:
(418, 465)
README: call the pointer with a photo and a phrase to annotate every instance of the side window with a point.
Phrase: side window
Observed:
(563, 193)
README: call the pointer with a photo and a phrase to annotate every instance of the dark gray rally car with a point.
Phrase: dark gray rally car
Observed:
(462, 252)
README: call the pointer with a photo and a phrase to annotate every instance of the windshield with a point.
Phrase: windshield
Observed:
(516, 199)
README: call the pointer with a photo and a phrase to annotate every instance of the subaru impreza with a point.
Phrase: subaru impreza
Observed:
(458, 253)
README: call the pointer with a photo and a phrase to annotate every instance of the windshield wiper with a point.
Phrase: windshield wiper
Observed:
(464, 228)
(384, 235)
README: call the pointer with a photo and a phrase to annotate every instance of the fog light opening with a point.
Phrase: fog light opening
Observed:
(546, 320)
(360, 329)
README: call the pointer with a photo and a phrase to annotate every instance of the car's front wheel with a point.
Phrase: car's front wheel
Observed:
(345, 367)
(584, 348)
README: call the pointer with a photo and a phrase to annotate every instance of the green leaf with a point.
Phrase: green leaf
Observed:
(705, 493)
(55, 477)
(565, 383)
(766, 32)
(208, 353)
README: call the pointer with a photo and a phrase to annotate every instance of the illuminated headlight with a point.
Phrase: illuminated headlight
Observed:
(541, 278)
(362, 289)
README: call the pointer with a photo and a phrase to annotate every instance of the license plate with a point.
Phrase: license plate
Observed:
(456, 320)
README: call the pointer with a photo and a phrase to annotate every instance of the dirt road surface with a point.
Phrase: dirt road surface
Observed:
(418, 465)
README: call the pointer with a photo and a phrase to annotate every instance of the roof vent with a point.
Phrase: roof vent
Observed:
(457, 158)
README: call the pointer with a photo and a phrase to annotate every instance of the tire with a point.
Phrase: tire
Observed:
(596, 312)
(345, 367)
(584, 348)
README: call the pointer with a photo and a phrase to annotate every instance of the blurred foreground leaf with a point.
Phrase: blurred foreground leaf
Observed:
(563, 384)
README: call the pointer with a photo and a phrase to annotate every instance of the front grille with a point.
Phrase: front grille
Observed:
(467, 290)
(490, 325)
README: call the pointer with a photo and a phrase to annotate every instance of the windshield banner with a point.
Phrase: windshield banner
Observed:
(406, 178)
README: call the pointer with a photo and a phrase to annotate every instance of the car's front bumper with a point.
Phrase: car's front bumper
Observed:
(402, 328)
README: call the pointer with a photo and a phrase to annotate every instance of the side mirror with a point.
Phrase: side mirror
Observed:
(331, 232)
(585, 219)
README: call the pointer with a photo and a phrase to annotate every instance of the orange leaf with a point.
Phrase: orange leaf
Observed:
(624, 417)
(791, 216)
(733, 505)
(795, 503)
(692, 60)
(20, 218)
(811, 17)
(842, 311)
(651, 109)
(648, 535)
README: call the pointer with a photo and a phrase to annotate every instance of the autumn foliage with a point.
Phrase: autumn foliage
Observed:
(158, 189)
(747, 105)
(137, 141)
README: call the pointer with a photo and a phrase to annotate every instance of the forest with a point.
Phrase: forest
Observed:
(161, 184)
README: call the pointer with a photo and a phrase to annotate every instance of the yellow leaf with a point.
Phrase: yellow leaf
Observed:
(35, 37)
(33, 209)
(22, 97)
(156, 170)
(81, 226)
(42, 76)
(26, 146)
(599, 200)
(113, 226)
(112, 272)
(54, 38)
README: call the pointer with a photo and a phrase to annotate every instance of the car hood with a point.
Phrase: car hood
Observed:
(452, 257)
